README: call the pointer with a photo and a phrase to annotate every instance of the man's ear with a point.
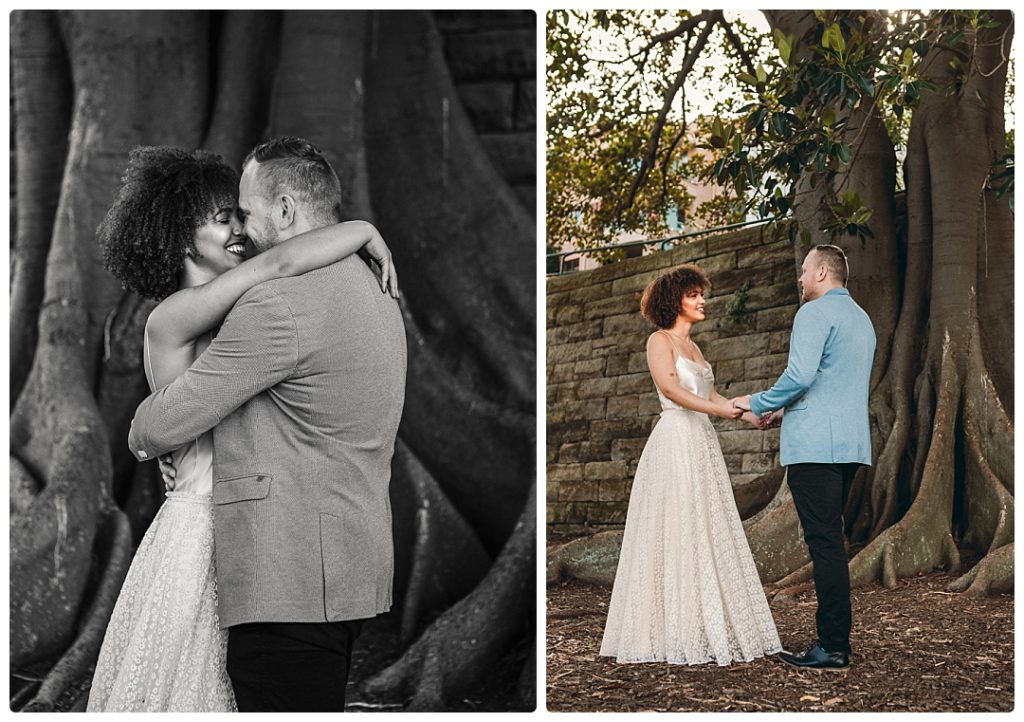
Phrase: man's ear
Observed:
(285, 211)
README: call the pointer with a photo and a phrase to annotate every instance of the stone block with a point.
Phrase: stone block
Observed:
(728, 371)
(741, 442)
(736, 347)
(557, 335)
(592, 292)
(567, 454)
(514, 155)
(452, 22)
(564, 283)
(613, 490)
(584, 409)
(735, 240)
(566, 393)
(504, 53)
(733, 463)
(569, 314)
(575, 512)
(649, 405)
(622, 406)
(766, 366)
(577, 491)
(607, 512)
(689, 251)
(627, 323)
(552, 490)
(611, 429)
(560, 372)
(588, 368)
(716, 264)
(583, 330)
(627, 449)
(779, 318)
(556, 513)
(633, 284)
(566, 431)
(597, 470)
(565, 472)
(757, 463)
(574, 351)
(594, 388)
(490, 105)
(769, 254)
(637, 362)
(771, 295)
(616, 364)
(778, 342)
(595, 451)
(552, 454)
(730, 280)
(639, 383)
(526, 105)
(612, 306)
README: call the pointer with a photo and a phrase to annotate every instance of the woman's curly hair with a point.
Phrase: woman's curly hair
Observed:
(663, 297)
(165, 195)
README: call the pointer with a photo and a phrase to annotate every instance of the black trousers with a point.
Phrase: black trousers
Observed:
(819, 492)
(291, 667)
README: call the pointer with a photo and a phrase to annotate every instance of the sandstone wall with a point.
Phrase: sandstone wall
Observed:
(492, 56)
(601, 402)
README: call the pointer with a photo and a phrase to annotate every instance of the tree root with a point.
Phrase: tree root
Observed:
(114, 554)
(921, 540)
(459, 649)
(593, 559)
(755, 495)
(992, 575)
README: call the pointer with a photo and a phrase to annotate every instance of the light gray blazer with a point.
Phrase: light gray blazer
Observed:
(304, 387)
(825, 385)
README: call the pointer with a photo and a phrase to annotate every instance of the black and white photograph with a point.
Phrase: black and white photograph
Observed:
(273, 360)
(780, 360)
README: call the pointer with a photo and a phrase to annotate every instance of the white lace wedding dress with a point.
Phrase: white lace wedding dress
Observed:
(686, 590)
(164, 649)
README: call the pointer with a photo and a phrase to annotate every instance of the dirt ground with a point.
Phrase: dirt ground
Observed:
(915, 648)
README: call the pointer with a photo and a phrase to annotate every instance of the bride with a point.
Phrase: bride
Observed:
(173, 235)
(686, 590)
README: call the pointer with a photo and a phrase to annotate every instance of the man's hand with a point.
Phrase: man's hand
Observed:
(378, 250)
(774, 419)
(754, 420)
(742, 402)
(168, 472)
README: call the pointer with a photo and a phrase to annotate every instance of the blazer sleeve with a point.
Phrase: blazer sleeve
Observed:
(256, 348)
(811, 330)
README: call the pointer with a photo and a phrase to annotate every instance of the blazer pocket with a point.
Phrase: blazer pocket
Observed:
(800, 403)
(241, 488)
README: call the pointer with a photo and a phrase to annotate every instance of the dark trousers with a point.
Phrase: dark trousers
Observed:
(819, 492)
(291, 667)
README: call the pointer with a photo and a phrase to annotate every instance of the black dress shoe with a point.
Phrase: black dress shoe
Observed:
(817, 658)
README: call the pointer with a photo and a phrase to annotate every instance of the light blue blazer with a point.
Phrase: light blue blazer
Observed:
(825, 385)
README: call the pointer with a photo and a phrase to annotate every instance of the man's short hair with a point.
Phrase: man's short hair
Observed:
(834, 258)
(296, 167)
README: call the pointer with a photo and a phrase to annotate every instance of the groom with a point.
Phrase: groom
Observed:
(825, 435)
(303, 386)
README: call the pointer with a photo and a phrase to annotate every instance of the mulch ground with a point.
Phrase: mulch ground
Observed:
(916, 648)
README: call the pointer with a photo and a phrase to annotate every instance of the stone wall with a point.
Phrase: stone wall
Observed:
(601, 401)
(492, 56)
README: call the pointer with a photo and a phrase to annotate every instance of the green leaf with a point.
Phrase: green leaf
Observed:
(844, 153)
(748, 79)
(783, 44)
(762, 74)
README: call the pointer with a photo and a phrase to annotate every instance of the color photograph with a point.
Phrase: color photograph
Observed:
(779, 360)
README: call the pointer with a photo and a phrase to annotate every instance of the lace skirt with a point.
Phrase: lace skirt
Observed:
(686, 589)
(164, 650)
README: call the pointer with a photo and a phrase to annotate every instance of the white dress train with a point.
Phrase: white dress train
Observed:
(164, 649)
(686, 590)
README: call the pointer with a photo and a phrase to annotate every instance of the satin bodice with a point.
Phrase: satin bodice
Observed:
(694, 377)
(194, 464)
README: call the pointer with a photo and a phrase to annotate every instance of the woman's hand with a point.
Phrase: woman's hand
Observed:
(378, 250)
(727, 411)
(753, 419)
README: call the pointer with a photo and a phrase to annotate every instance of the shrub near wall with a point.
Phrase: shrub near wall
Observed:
(601, 401)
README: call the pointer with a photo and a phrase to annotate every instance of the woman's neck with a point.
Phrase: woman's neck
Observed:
(681, 328)
(192, 275)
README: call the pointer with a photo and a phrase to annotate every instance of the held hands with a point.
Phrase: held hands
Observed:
(168, 472)
(728, 411)
(742, 402)
(378, 250)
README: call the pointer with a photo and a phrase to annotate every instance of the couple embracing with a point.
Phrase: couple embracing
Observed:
(686, 590)
(278, 382)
